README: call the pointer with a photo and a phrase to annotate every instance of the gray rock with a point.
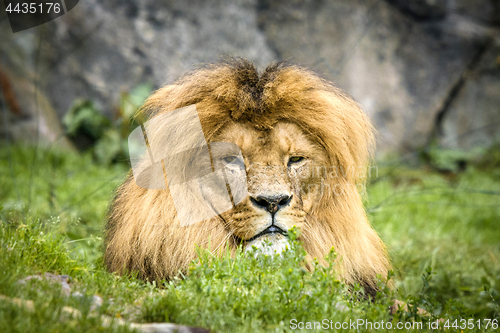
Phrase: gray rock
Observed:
(167, 328)
(61, 279)
(101, 49)
(399, 69)
(405, 62)
(473, 119)
(483, 10)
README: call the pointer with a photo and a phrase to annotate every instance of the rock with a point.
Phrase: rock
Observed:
(483, 10)
(101, 49)
(421, 9)
(66, 288)
(403, 61)
(398, 69)
(167, 328)
(487, 11)
(473, 119)
(108, 321)
(96, 302)
(62, 279)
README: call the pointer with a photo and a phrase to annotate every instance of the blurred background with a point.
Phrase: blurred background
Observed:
(426, 71)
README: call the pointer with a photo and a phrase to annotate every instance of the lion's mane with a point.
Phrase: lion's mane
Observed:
(143, 233)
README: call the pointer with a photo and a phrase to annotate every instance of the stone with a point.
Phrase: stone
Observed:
(398, 69)
(405, 62)
(473, 119)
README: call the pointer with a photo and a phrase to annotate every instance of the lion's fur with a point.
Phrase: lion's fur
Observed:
(143, 233)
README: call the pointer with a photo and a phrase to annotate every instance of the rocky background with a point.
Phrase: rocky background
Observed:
(426, 71)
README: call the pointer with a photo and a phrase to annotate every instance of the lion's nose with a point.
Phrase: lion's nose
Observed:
(271, 203)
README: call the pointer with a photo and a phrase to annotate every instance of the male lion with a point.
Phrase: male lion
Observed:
(303, 144)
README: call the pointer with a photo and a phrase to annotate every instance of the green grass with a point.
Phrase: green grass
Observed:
(65, 188)
(451, 226)
(442, 234)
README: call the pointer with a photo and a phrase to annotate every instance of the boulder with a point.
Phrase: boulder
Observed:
(418, 67)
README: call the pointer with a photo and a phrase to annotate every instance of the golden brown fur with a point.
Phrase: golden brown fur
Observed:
(286, 111)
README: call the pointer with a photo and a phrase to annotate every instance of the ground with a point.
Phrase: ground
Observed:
(441, 230)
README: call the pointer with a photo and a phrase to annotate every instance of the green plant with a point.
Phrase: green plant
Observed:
(442, 238)
(107, 139)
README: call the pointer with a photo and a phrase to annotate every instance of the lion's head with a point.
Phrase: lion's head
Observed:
(304, 147)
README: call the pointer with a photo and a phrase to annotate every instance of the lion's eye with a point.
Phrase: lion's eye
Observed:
(230, 159)
(295, 159)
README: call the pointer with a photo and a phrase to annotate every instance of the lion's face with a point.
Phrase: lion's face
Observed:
(282, 190)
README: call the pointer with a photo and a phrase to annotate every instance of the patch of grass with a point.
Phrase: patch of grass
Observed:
(452, 226)
(442, 235)
(67, 188)
(33, 247)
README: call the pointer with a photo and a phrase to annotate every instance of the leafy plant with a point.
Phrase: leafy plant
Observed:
(107, 139)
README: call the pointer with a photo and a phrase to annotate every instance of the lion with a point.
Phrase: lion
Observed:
(302, 145)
